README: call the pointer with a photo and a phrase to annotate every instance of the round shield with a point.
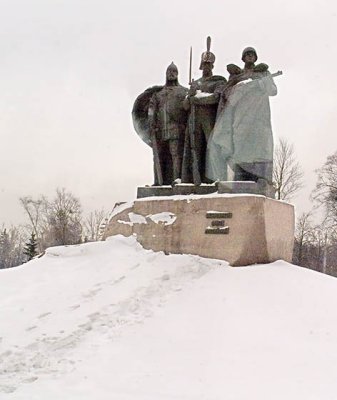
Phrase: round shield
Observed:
(140, 113)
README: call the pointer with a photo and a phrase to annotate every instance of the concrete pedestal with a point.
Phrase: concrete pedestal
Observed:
(260, 187)
(242, 229)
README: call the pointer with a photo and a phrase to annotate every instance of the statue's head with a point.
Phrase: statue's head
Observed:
(233, 69)
(172, 72)
(207, 58)
(249, 55)
(206, 66)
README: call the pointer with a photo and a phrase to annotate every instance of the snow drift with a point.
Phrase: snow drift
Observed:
(110, 320)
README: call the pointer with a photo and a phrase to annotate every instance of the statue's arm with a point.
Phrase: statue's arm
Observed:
(190, 96)
(202, 98)
(267, 85)
(212, 98)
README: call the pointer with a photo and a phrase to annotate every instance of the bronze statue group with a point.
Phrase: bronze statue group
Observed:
(218, 129)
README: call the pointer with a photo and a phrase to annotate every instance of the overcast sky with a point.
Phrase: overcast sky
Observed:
(71, 70)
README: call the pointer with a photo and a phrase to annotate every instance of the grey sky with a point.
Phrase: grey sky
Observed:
(70, 71)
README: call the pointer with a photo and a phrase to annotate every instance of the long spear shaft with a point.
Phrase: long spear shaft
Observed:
(190, 74)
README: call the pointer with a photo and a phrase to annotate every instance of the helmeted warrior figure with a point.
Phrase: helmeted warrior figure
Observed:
(160, 119)
(242, 137)
(202, 108)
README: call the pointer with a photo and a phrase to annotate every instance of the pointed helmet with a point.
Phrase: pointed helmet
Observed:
(172, 66)
(207, 56)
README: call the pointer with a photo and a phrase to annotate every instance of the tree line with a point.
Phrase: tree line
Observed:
(51, 222)
(315, 245)
(316, 242)
(59, 221)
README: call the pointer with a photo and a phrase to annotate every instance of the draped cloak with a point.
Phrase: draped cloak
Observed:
(242, 134)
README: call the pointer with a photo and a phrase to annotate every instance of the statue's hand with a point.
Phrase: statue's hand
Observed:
(192, 99)
(193, 89)
(192, 92)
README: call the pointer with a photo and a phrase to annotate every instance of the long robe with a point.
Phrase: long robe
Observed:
(242, 134)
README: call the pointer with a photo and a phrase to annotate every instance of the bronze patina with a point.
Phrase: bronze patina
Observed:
(213, 129)
(160, 119)
(202, 107)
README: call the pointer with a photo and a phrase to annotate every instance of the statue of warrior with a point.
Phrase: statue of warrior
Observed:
(242, 137)
(160, 119)
(202, 107)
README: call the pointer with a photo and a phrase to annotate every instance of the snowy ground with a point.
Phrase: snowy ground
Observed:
(110, 320)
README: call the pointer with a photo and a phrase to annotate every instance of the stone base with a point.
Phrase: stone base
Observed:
(182, 188)
(242, 229)
(260, 187)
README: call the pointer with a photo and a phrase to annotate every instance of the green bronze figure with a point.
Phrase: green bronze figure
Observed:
(160, 119)
(202, 107)
(242, 138)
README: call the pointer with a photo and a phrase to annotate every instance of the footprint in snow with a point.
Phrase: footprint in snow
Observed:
(7, 389)
(94, 316)
(87, 326)
(31, 328)
(118, 280)
(30, 380)
(91, 293)
(43, 315)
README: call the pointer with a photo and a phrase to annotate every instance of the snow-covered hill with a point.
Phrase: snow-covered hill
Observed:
(110, 320)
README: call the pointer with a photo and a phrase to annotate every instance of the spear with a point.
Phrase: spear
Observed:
(191, 129)
(190, 74)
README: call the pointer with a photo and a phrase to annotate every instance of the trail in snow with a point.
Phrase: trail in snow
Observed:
(53, 305)
(110, 320)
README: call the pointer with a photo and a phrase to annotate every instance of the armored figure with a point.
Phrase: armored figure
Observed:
(160, 119)
(242, 137)
(202, 107)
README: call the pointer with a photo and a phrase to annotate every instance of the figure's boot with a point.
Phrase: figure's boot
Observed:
(176, 167)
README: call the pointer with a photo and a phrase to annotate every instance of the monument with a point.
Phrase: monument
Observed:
(202, 107)
(213, 157)
(160, 119)
(242, 138)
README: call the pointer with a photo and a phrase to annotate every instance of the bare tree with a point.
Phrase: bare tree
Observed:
(315, 245)
(12, 242)
(35, 212)
(93, 224)
(64, 218)
(303, 235)
(325, 193)
(287, 172)
(54, 222)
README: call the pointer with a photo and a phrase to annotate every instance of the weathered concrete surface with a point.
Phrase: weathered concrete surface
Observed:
(261, 230)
